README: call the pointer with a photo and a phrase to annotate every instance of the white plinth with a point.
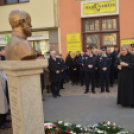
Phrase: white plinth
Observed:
(25, 95)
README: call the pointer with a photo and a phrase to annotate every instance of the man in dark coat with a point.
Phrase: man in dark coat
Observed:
(97, 74)
(89, 63)
(56, 69)
(104, 62)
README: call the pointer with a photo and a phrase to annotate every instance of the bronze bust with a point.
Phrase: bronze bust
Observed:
(18, 48)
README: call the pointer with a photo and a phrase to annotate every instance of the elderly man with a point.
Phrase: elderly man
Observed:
(56, 69)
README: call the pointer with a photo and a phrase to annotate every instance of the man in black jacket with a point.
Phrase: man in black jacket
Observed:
(56, 69)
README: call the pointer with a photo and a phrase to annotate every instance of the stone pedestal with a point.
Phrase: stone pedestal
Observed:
(25, 95)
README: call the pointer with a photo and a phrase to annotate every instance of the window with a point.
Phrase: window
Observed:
(92, 25)
(93, 40)
(100, 31)
(109, 24)
(6, 2)
(109, 38)
(41, 45)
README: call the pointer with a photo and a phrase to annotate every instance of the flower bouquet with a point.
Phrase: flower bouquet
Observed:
(61, 127)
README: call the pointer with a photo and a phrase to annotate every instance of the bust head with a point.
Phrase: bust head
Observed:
(21, 20)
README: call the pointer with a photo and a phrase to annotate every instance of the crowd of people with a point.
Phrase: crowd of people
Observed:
(93, 67)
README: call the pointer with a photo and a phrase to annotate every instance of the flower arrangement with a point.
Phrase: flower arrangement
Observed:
(61, 127)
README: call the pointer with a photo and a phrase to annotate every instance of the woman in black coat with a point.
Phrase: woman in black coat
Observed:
(125, 65)
(73, 68)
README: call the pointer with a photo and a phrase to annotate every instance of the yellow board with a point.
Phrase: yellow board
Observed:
(127, 41)
(99, 7)
(73, 42)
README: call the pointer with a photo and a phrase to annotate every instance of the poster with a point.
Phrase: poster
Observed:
(73, 42)
(127, 41)
(99, 7)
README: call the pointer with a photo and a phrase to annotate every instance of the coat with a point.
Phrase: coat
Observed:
(79, 62)
(72, 65)
(126, 80)
(53, 67)
(64, 75)
(3, 98)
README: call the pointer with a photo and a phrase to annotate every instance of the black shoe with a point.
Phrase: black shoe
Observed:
(4, 127)
(86, 92)
(107, 91)
(62, 88)
(132, 106)
(54, 96)
(59, 95)
(102, 91)
(93, 92)
(82, 84)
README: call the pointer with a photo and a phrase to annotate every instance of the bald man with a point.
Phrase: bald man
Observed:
(18, 48)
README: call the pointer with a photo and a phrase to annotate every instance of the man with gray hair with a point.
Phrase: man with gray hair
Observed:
(56, 69)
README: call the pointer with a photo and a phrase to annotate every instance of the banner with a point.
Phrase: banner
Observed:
(99, 7)
(73, 42)
(127, 41)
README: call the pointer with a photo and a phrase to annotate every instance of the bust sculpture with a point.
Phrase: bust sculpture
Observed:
(18, 48)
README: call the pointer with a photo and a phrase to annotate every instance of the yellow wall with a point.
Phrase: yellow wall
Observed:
(42, 12)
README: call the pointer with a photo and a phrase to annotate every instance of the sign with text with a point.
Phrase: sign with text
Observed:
(4, 38)
(73, 42)
(39, 36)
(99, 7)
(127, 41)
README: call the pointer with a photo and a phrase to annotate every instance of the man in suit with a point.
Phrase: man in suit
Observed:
(56, 69)
(89, 62)
(104, 62)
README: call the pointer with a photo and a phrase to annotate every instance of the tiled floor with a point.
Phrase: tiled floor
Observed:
(76, 107)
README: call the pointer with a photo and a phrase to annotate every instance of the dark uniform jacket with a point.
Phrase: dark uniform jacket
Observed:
(87, 60)
(104, 62)
(53, 67)
(80, 62)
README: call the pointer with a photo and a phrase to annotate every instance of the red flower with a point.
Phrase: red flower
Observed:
(48, 133)
(56, 132)
(67, 131)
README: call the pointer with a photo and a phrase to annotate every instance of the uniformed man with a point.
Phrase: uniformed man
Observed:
(104, 62)
(97, 75)
(89, 68)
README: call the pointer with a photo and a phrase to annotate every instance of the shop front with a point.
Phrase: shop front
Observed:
(4, 39)
(100, 24)
(40, 41)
